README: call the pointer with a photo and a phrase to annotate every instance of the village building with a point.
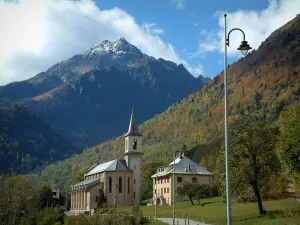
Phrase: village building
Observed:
(185, 171)
(119, 180)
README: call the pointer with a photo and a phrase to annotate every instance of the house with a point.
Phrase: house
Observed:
(185, 171)
(119, 179)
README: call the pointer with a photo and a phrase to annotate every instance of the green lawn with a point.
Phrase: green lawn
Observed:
(213, 211)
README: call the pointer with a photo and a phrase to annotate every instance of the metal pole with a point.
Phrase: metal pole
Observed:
(155, 201)
(174, 188)
(228, 203)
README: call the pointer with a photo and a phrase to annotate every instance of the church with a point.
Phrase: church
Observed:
(119, 179)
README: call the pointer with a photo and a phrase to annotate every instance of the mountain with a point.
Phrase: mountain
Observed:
(27, 144)
(263, 83)
(87, 99)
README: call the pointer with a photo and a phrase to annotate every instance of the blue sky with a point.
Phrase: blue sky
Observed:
(37, 34)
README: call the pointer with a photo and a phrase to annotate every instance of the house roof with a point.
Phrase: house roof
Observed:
(114, 165)
(88, 183)
(183, 165)
(133, 129)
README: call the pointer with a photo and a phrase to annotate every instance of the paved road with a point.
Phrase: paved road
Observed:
(180, 221)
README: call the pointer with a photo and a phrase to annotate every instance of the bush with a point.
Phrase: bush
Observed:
(44, 217)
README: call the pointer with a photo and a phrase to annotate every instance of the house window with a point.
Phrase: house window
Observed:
(194, 180)
(109, 184)
(179, 179)
(128, 184)
(164, 190)
(168, 190)
(120, 184)
(161, 191)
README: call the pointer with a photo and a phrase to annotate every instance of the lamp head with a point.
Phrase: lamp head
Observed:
(244, 47)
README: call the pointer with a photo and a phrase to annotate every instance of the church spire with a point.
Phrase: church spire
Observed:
(133, 129)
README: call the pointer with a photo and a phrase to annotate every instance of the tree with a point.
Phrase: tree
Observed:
(252, 158)
(202, 191)
(288, 146)
(188, 189)
(80, 175)
(46, 200)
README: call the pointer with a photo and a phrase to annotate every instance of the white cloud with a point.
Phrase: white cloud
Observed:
(153, 28)
(179, 3)
(256, 25)
(34, 35)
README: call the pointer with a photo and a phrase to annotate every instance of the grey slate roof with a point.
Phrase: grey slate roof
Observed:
(183, 165)
(114, 165)
(88, 183)
(133, 129)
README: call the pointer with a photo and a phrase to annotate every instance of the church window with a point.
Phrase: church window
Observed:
(134, 144)
(128, 184)
(134, 181)
(134, 194)
(120, 184)
(109, 184)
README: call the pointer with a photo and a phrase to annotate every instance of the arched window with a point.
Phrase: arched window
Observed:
(128, 184)
(109, 184)
(120, 184)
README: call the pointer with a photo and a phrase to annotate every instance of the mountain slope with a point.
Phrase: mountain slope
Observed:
(27, 144)
(88, 97)
(264, 82)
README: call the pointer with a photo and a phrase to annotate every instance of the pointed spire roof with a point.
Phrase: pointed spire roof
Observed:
(133, 129)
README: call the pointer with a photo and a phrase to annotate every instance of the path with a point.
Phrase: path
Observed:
(180, 221)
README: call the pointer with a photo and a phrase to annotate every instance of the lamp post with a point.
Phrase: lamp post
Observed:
(175, 151)
(156, 197)
(244, 48)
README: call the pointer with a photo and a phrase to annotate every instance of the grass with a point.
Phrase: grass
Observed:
(213, 211)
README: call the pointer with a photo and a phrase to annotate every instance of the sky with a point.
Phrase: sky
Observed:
(36, 34)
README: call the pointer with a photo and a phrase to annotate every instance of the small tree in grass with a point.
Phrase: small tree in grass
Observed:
(188, 190)
(202, 191)
(194, 191)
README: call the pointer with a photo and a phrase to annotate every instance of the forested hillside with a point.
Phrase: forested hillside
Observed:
(263, 83)
(27, 144)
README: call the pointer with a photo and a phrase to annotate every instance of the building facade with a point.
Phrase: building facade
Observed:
(185, 171)
(118, 180)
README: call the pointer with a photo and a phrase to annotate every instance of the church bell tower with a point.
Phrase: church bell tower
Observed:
(133, 154)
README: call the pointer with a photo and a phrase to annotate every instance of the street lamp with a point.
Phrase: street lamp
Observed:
(175, 152)
(244, 48)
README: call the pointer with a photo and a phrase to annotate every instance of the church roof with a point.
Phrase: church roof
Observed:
(183, 165)
(88, 183)
(114, 165)
(133, 129)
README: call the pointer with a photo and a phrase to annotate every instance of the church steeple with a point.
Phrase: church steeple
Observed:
(133, 129)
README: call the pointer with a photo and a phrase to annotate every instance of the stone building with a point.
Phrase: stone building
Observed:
(119, 180)
(185, 171)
